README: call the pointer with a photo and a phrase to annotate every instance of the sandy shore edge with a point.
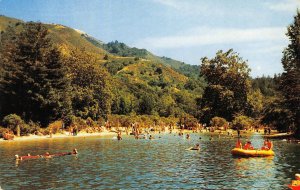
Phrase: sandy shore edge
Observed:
(60, 135)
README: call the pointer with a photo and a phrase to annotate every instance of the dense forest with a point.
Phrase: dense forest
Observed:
(50, 72)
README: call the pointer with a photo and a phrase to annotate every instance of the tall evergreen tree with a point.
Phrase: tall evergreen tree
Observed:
(290, 79)
(34, 83)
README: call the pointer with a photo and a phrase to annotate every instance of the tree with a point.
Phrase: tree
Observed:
(276, 114)
(227, 76)
(256, 103)
(166, 105)
(34, 84)
(147, 104)
(241, 122)
(91, 86)
(290, 80)
(218, 122)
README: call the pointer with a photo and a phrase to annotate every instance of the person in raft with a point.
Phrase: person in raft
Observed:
(268, 145)
(248, 146)
(238, 144)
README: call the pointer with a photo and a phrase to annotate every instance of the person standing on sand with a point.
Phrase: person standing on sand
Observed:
(119, 137)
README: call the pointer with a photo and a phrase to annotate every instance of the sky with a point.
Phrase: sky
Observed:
(185, 30)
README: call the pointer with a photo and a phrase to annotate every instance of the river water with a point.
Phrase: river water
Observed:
(163, 163)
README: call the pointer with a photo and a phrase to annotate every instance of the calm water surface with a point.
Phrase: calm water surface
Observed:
(105, 163)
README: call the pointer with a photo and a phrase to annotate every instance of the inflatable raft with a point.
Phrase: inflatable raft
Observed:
(295, 183)
(251, 153)
(192, 148)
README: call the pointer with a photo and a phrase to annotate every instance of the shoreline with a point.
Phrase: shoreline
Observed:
(66, 134)
(59, 136)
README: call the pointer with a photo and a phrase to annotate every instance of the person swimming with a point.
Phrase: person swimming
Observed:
(196, 147)
(28, 156)
(46, 155)
(75, 151)
(187, 136)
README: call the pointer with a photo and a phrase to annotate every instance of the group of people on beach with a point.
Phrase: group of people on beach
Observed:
(268, 145)
(46, 155)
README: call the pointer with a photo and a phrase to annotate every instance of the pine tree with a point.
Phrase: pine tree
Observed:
(35, 84)
(290, 79)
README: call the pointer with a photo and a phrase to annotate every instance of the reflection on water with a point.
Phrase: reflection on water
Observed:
(104, 163)
(257, 171)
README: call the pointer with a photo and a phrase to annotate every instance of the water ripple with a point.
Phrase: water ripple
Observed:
(164, 163)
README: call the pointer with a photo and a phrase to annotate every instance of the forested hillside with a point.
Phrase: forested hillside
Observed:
(133, 82)
(51, 72)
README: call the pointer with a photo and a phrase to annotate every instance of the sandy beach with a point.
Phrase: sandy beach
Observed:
(60, 135)
(66, 134)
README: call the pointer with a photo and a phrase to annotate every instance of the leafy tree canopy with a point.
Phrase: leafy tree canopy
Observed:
(227, 76)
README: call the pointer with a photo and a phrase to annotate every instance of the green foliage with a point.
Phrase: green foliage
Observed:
(34, 82)
(113, 67)
(218, 122)
(166, 105)
(55, 126)
(290, 80)
(91, 86)
(227, 76)
(266, 85)
(78, 124)
(256, 103)
(278, 116)
(16, 124)
(242, 122)
(122, 49)
(186, 101)
(191, 71)
(12, 121)
(147, 104)
(122, 104)
(190, 122)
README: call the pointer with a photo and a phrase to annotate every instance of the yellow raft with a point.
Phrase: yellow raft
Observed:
(251, 153)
